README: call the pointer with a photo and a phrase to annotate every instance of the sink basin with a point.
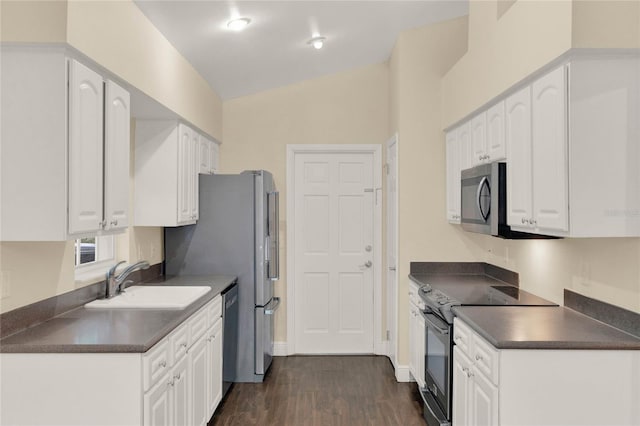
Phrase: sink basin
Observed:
(152, 297)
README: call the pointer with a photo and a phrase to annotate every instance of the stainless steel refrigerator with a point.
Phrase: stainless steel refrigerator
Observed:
(236, 234)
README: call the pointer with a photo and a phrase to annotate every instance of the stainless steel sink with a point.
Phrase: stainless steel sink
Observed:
(152, 297)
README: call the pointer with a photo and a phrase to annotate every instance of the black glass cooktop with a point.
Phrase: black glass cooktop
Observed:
(482, 290)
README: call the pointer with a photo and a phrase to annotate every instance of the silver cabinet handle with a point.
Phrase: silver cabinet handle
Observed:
(114, 222)
(177, 377)
(533, 222)
(392, 268)
(366, 264)
(478, 357)
(171, 383)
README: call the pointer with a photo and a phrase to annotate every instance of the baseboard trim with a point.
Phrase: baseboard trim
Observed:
(403, 374)
(280, 349)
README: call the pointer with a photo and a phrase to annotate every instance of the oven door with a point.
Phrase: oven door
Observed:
(438, 361)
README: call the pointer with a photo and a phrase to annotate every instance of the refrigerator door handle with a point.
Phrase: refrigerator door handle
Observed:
(272, 306)
(273, 253)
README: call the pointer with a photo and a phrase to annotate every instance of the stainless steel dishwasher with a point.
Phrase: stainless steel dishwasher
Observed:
(229, 336)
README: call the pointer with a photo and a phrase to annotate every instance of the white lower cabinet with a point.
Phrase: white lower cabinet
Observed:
(541, 387)
(416, 336)
(177, 382)
(168, 402)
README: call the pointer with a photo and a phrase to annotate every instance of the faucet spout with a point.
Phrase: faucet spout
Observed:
(115, 283)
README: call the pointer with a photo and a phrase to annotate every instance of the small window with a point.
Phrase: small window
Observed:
(93, 250)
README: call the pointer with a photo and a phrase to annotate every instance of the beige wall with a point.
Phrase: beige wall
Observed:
(504, 50)
(606, 24)
(418, 62)
(346, 108)
(33, 21)
(119, 37)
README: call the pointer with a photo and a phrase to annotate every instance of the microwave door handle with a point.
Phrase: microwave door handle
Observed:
(483, 182)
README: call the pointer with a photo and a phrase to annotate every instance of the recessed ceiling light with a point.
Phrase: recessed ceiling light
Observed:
(238, 24)
(317, 42)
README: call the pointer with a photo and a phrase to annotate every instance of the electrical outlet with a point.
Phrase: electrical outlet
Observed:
(5, 284)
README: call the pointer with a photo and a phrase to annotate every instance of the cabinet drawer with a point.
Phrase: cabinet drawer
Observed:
(485, 358)
(214, 310)
(462, 336)
(155, 363)
(179, 343)
(198, 325)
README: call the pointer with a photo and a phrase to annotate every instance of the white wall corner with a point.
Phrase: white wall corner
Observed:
(280, 349)
(403, 374)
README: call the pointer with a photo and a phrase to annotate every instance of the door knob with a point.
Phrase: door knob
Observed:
(368, 248)
(367, 264)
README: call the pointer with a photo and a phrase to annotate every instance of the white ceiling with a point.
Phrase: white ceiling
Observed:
(273, 51)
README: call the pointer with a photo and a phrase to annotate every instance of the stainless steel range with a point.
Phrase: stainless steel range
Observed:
(439, 296)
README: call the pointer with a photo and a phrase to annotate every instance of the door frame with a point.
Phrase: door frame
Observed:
(376, 150)
(392, 299)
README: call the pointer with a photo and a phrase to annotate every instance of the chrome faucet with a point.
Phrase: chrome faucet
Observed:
(115, 284)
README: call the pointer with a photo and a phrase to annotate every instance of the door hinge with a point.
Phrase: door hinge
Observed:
(388, 335)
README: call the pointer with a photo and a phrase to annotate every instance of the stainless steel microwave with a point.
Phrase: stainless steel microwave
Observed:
(483, 206)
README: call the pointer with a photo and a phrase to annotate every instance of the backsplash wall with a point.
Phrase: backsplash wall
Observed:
(606, 269)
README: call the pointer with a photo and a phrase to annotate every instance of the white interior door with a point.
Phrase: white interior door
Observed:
(334, 240)
(392, 246)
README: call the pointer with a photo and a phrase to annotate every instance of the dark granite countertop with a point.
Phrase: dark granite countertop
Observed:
(531, 327)
(84, 330)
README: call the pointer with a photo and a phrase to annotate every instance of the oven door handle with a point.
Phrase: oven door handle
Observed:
(438, 328)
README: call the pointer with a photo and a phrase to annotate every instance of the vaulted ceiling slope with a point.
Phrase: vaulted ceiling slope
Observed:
(273, 51)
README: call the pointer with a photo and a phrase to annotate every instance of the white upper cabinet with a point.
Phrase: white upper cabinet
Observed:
(549, 159)
(496, 144)
(453, 177)
(518, 137)
(58, 145)
(570, 140)
(479, 139)
(209, 156)
(166, 173)
(466, 148)
(86, 102)
(116, 156)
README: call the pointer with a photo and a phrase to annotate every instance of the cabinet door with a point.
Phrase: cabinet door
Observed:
(412, 341)
(496, 146)
(199, 371)
(158, 404)
(518, 138)
(205, 155)
(464, 139)
(181, 397)
(484, 401)
(116, 156)
(461, 388)
(194, 166)
(453, 177)
(85, 149)
(215, 157)
(479, 139)
(550, 166)
(215, 364)
(184, 176)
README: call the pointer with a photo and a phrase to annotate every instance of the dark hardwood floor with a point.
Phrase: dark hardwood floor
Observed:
(323, 391)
